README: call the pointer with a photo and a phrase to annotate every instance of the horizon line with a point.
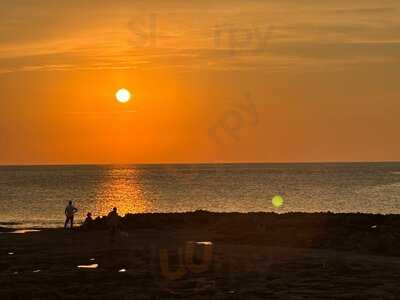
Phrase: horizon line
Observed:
(198, 163)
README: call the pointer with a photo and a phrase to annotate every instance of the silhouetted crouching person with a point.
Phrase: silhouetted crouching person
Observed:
(70, 210)
(88, 223)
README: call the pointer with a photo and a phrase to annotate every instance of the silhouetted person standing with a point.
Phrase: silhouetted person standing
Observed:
(70, 210)
(113, 222)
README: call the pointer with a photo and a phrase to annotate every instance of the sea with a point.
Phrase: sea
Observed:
(36, 196)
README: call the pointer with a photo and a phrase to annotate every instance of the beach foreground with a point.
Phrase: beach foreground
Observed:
(204, 255)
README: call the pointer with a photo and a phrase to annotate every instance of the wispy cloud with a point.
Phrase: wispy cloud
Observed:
(255, 34)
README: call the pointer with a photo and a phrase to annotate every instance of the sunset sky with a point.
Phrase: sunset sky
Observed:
(213, 81)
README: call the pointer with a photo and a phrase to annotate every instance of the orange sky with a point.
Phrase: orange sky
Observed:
(214, 81)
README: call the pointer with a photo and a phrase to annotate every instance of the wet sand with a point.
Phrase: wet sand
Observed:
(245, 256)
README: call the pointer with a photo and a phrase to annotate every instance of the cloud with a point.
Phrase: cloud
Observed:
(78, 35)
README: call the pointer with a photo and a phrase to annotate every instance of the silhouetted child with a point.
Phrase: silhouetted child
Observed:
(88, 223)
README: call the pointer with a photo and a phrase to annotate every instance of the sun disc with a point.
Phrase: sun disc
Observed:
(123, 95)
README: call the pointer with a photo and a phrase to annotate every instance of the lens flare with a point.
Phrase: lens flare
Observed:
(277, 201)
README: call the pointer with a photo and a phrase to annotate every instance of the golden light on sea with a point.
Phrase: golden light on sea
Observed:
(121, 188)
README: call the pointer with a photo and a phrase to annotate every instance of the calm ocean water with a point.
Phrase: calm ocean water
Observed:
(37, 195)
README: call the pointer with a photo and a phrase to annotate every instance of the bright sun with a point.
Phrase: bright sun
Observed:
(123, 95)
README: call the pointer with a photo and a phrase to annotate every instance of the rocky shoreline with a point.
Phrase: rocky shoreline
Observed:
(204, 255)
(365, 233)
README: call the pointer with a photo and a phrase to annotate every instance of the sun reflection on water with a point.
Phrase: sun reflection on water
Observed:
(121, 188)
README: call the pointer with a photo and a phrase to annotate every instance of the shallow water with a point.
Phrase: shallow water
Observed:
(36, 196)
(91, 266)
(201, 243)
(22, 231)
